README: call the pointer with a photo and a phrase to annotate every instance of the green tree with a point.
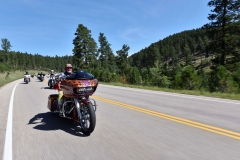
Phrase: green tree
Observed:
(106, 56)
(224, 20)
(188, 56)
(85, 48)
(6, 45)
(190, 79)
(221, 80)
(236, 78)
(152, 55)
(122, 59)
(176, 77)
(133, 75)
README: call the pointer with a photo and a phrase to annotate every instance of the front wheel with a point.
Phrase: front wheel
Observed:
(50, 84)
(88, 121)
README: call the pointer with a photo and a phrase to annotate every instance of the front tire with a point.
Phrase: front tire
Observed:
(88, 122)
(50, 84)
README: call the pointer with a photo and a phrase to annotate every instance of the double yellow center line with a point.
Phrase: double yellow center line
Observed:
(209, 128)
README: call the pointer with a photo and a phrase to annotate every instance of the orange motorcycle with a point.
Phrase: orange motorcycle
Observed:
(76, 104)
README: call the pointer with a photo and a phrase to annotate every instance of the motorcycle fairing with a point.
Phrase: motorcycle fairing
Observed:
(68, 86)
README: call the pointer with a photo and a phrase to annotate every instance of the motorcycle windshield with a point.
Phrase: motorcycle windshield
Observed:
(80, 75)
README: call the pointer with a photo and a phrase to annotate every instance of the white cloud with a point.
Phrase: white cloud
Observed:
(131, 34)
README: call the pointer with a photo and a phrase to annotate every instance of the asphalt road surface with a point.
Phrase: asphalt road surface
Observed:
(132, 124)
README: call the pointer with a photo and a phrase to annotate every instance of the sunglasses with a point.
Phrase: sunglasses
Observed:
(68, 67)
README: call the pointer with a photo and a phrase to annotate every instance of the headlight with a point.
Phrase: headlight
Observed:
(84, 90)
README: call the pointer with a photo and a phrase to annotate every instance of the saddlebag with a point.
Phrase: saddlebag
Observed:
(52, 102)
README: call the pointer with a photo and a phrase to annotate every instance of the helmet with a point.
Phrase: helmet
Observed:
(52, 71)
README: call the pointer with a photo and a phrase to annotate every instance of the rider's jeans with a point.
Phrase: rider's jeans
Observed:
(60, 94)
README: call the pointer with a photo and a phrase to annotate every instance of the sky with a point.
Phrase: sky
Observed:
(47, 27)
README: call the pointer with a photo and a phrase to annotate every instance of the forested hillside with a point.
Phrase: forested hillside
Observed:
(185, 48)
(12, 60)
(207, 58)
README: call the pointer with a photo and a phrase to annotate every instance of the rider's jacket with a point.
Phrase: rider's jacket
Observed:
(61, 76)
(52, 75)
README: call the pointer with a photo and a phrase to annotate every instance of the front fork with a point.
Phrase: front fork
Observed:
(85, 101)
(78, 108)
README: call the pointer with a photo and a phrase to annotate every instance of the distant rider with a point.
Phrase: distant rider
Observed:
(52, 73)
(26, 73)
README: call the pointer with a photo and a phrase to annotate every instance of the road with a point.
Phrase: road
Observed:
(131, 124)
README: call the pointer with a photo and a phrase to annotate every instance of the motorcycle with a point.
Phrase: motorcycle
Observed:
(76, 104)
(41, 77)
(51, 81)
(26, 78)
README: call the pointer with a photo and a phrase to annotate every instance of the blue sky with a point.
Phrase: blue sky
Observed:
(47, 27)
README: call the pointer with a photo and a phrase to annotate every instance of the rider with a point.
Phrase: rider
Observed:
(68, 71)
(26, 73)
(52, 73)
(40, 73)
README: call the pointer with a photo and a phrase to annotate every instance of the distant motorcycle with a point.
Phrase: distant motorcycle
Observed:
(51, 81)
(26, 78)
(41, 77)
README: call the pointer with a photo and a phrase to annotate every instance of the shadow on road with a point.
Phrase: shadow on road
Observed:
(24, 83)
(50, 121)
(45, 88)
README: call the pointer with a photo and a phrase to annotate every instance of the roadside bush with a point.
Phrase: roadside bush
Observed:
(190, 79)
(221, 80)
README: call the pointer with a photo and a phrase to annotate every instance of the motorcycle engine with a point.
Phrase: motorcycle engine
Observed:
(68, 107)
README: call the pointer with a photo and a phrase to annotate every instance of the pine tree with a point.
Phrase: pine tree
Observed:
(6, 46)
(106, 56)
(85, 48)
(224, 19)
(188, 56)
(122, 59)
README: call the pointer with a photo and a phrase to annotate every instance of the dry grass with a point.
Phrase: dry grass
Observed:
(12, 76)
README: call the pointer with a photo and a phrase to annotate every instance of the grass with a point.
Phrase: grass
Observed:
(187, 92)
(13, 75)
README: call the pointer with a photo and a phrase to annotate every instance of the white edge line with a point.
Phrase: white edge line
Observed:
(181, 95)
(7, 154)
